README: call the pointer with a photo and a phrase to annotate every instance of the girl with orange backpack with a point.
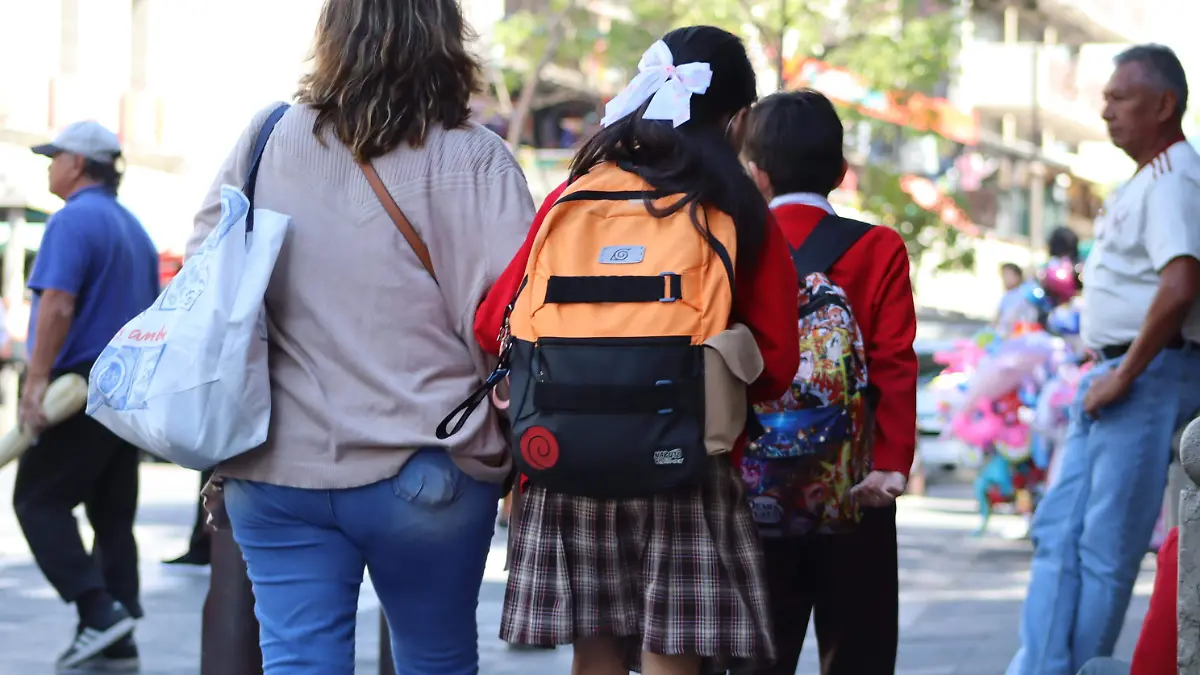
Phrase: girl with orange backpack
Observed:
(633, 540)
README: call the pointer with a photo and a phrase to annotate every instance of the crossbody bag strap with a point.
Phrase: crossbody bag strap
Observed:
(256, 155)
(398, 218)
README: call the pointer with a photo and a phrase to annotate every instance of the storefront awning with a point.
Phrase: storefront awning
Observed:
(31, 232)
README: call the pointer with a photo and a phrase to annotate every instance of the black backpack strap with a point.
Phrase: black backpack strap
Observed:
(260, 146)
(827, 243)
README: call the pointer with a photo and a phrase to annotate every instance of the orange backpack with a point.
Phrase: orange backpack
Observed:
(604, 339)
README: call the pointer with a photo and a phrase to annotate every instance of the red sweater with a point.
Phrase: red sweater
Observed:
(765, 303)
(1155, 651)
(875, 275)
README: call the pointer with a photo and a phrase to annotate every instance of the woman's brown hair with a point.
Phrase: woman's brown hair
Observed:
(386, 71)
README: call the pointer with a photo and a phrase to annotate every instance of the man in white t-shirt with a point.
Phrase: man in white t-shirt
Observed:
(1141, 318)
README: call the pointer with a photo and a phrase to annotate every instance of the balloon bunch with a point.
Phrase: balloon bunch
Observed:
(989, 403)
(1059, 280)
(1061, 284)
(1007, 396)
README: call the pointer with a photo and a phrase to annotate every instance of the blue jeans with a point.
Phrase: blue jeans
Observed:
(424, 535)
(1105, 666)
(1093, 528)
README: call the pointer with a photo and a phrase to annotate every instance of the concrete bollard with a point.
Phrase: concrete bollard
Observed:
(1188, 611)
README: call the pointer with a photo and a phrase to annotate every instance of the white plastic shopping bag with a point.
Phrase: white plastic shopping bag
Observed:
(187, 379)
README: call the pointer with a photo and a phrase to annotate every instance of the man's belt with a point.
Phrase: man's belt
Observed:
(1117, 351)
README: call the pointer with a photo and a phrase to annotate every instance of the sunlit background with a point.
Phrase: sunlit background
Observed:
(973, 128)
(994, 151)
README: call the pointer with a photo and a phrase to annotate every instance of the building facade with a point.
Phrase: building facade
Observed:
(178, 80)
(1034, 74)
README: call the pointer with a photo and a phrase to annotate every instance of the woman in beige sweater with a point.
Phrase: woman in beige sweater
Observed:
(368, 350)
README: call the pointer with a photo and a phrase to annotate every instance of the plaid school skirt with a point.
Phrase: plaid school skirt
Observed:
(673, 574)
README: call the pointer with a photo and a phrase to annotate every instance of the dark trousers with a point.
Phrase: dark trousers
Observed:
(229, 631)
(201, 541)
(849, 584)
(80, 462)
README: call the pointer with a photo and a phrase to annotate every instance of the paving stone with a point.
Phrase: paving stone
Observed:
(960, 597)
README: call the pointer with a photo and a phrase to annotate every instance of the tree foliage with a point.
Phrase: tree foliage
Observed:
(923, 230)
(889, 43)
(899, 46)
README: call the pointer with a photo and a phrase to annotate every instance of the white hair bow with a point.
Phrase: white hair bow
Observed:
(670, 86)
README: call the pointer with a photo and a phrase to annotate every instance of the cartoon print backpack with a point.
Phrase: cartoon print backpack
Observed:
(603, 345)
(816, 444)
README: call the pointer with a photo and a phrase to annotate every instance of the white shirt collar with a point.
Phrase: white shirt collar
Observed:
(805, 199)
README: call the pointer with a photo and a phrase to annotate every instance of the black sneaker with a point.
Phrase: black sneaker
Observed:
(90, 640)
(190, 558)
(121, 657)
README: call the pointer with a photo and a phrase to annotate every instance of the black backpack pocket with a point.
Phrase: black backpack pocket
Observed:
(609, 417)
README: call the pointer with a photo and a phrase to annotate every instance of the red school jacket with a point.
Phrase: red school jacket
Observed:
(765, 302)
(875, 275)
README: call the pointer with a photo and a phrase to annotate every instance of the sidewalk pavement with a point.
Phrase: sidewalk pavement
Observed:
(960, 598)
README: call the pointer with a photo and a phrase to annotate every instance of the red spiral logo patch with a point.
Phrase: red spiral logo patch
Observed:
(539, 448)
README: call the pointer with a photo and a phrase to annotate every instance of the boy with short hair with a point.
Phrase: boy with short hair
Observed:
(794, 151)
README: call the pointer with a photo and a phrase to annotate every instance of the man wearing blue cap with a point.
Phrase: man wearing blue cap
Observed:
(95, 270)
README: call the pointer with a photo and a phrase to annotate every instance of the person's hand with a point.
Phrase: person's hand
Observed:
(880, 488)
(33, 417)
(1105, 390)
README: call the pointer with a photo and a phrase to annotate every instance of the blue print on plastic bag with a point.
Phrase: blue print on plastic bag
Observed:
(187, 286)
(234, 207)
(123, 375)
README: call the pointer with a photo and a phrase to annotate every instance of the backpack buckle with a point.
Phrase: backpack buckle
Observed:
(665, 383)
(672, 287)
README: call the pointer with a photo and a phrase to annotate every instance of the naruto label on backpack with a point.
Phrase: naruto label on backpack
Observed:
(816, 445)
(605, 340)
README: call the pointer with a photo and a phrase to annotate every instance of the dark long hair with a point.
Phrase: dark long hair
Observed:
(108, 174)
(695, 160)
(1064, 243)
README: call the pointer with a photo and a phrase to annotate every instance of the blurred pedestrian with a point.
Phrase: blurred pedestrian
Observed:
(1016, 305)
(368, 350)
(95, 270)
(199, 550)
(1141, 316)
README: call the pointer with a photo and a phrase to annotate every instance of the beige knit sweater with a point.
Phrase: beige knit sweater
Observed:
(367, 352)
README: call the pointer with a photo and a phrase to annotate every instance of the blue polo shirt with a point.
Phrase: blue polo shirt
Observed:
(95, 249)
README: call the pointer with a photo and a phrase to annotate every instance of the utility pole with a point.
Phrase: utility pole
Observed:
(1037, 174)
(780, 61)
(12, 287)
